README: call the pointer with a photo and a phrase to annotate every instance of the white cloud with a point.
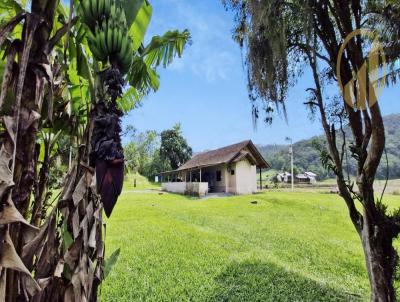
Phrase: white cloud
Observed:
(214, 66)
(213, 53)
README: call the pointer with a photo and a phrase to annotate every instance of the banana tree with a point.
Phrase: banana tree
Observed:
(69, 250)
(69, 245)
(27, 40)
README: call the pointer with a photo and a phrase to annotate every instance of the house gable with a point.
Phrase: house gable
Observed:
(226, 155)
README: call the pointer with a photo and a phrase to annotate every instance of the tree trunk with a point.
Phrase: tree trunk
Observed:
(377, 240)
(381, 259)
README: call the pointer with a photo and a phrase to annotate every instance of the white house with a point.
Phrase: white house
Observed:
(284, 177)
(312, 177)
(231, 169)
(306, 177)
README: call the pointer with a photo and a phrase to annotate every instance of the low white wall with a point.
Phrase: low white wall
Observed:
(189, 188)
(174, 187)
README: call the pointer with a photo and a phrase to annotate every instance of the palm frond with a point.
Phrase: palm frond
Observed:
(142, 76)
(130, 100)
(162, 49)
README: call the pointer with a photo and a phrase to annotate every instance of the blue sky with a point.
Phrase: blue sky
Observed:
(206, 89)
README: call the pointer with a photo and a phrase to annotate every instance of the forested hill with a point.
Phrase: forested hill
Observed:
(306, 157)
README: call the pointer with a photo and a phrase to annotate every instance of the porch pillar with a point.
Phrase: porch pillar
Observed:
(200, 174)
(260, 180)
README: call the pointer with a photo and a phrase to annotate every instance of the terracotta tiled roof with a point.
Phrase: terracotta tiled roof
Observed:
(226, 155)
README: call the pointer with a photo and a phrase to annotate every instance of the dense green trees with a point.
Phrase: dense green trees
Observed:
(149, 153)
(142, 154)
(174, 147)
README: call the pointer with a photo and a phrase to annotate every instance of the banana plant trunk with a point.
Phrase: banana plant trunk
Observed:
(30, 80)
(19, 140)
(40, 187)
(70, 265)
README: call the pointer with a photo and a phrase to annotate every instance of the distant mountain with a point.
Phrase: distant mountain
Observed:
(306, 157)
(269, 150)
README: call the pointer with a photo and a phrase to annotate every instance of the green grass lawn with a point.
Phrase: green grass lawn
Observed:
(142, 183)
(287, 247)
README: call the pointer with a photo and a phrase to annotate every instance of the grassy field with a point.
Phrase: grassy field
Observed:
(142, 183)
(325, 186)
(286, 247)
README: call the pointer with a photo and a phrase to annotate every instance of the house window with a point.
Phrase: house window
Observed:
(219, 175)
(232, 172)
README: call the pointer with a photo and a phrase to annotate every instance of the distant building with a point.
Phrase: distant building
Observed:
(311, 176)
(305, 178)
(284, 177)
(231, 169)
(302, 179)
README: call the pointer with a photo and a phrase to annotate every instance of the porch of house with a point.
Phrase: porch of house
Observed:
(198, 181)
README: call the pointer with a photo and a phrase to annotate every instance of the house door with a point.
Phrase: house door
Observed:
(211, 182)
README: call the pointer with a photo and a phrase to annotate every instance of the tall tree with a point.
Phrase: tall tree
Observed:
(174, 147)
(142, 154)
(280, 39)
(141, 149)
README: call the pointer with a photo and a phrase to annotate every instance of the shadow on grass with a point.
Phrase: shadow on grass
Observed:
(257, 281)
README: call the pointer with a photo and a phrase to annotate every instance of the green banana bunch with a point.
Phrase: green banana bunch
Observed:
(107, 32)
(125, 54)
(92, 11)
(95, 44)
